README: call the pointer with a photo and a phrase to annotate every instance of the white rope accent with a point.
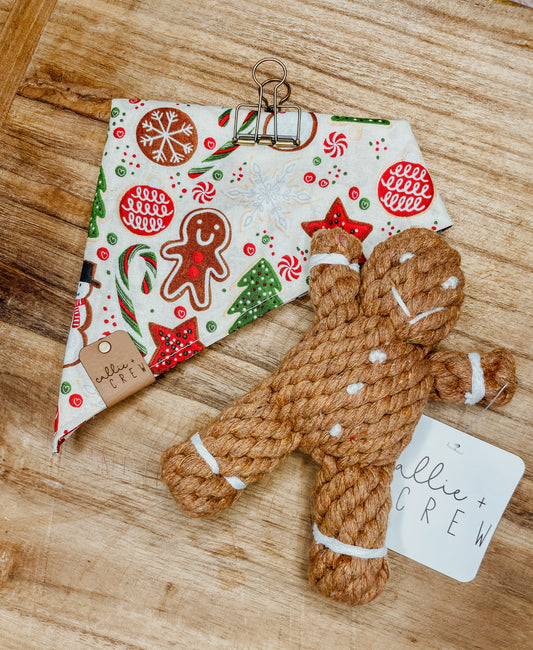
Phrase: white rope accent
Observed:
(478, 380)
(424, 314)
(332, 258)
(451, 283)
(399, 300)
(347, 549)
(377, 356)
(202, 451)
(335, 430)
(354, 388)
(405, 257)
(234, 481)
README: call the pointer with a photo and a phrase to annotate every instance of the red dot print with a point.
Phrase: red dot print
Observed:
(119, 133)
(193, 272)
(75, 400)
(197, 257)
(102, 254)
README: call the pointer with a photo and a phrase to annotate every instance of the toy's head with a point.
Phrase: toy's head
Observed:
(415, 279)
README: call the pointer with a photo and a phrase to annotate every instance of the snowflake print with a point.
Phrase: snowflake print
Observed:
(269, 196)
(167, 136)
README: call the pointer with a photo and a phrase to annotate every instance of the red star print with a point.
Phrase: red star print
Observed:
(337, 217)
(173, 345)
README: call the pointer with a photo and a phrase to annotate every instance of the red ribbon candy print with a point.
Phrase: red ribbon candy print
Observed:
(405, 189)
(146, 210)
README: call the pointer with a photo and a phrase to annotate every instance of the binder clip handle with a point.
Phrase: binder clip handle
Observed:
(270, 107)
(257, 137)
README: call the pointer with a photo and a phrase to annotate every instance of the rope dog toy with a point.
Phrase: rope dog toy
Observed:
(349, 395)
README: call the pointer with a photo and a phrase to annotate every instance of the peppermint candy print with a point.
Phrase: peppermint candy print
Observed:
(335, 144)
(146, 210)
(405, 189)
(289, 268)
(167, 136)
(204, 192)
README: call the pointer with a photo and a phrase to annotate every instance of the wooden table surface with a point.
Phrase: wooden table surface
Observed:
(93, 552)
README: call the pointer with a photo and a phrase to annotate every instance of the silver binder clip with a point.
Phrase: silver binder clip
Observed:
(259, 136)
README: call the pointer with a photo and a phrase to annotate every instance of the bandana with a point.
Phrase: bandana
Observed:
(191, 236)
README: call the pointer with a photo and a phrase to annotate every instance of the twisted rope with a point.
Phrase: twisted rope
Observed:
(349, 394)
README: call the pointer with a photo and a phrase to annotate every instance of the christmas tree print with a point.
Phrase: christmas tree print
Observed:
(98, 211)
(261, 285)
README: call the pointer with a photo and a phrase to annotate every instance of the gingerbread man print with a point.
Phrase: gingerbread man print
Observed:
(204, 236)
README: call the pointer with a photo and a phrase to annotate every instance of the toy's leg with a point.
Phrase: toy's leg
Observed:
(351, 505)
(208, 472)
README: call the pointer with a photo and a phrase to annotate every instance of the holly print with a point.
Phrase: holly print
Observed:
(167, 136)
(98, 211)
(261, 285)
(173, 345)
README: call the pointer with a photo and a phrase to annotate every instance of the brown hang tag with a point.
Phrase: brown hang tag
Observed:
(116, 367)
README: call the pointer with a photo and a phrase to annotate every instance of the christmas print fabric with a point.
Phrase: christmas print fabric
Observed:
(191, 237)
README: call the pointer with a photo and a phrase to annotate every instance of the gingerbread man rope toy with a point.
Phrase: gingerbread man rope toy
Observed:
(350, 395)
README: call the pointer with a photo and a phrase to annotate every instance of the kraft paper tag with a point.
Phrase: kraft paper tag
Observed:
(116, 367)
(449, 492)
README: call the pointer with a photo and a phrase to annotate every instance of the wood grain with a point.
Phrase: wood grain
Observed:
(93, 553)
(18, 39)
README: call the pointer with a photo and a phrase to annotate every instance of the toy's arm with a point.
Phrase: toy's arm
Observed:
(471, 378)
(335, 281)
(209, 471)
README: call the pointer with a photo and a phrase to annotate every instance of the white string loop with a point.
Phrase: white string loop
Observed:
(332, 258)
(478, 380)
(234, 481)
(347, 549)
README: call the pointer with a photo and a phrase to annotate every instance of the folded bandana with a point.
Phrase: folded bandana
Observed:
(192, 236)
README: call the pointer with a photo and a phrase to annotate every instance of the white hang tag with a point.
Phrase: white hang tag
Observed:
(449, 492)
